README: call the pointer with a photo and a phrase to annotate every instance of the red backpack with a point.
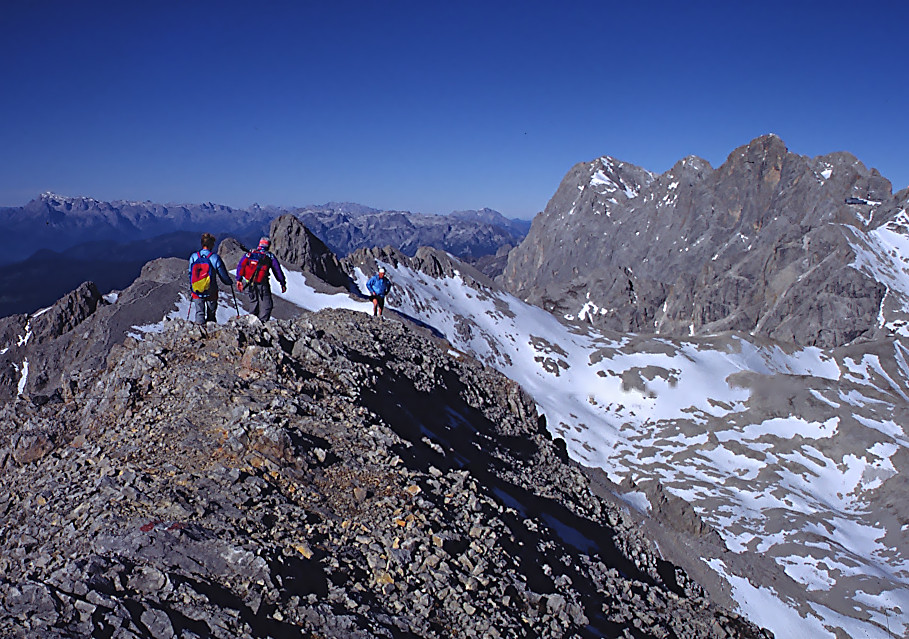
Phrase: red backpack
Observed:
(255, 267)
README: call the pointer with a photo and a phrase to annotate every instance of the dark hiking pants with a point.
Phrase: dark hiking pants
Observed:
(204, 310)
(261, 300)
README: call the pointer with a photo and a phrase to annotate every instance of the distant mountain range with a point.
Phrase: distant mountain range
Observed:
(53, 243)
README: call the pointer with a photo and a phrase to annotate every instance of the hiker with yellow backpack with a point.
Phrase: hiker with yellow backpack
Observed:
(205, 268)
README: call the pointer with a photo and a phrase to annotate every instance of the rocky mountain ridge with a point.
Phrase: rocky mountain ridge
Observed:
(769, 471)
(334, 475)
(767, 243)
(627, 407)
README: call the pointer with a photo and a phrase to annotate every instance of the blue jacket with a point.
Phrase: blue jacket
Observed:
(379, 285)
(216, 262)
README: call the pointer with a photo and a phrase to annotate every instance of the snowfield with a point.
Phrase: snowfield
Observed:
(782, 450)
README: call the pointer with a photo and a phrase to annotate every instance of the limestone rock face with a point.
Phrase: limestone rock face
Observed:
(334, 475)
(766, 243)
(296, 246)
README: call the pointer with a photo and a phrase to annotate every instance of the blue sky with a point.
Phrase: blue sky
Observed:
(429, 106)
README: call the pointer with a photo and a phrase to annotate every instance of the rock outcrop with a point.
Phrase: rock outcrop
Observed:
(766, 243)
(331, 476)
(297, 247)
(80, 329)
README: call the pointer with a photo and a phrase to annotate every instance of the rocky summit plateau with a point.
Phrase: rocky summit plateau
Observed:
(623, 435)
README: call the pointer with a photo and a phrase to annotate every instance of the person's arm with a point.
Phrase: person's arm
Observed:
(221, 270)
(279, 274)
(240, 270)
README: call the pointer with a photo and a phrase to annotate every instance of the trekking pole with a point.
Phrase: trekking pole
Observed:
(189, 310)
(236, 306)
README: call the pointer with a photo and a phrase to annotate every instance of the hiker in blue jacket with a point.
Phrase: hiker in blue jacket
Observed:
(378, 286)
(205, 269)
(252, 276)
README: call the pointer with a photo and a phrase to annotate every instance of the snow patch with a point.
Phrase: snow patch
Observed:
(23, 377)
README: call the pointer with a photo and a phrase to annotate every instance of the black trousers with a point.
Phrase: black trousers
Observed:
(261, 300)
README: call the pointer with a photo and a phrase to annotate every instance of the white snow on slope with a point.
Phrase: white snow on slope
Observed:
(651, 409)
(23, 376)
(605, 184)
(883, 254)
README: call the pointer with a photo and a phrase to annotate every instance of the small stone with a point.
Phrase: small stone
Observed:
(158, 624)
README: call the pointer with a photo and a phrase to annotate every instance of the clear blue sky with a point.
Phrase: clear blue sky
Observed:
(429, 106)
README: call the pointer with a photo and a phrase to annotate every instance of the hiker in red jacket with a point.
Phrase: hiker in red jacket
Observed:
(252, 276)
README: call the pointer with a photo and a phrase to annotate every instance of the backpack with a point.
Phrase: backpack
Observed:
(255, 267)
(202, 276)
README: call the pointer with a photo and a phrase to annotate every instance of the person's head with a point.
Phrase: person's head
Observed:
(381, 271)
(208, 241)
(264, 243)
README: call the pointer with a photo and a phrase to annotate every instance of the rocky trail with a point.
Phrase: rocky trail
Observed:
(332, 475)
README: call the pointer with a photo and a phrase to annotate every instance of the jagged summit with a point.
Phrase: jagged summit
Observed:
(765, 243)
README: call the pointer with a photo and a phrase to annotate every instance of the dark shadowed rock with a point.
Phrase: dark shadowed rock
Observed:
(295, 246)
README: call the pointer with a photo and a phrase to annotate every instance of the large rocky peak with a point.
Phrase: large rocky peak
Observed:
(336, 475)
(766, 243)
(296, 246)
